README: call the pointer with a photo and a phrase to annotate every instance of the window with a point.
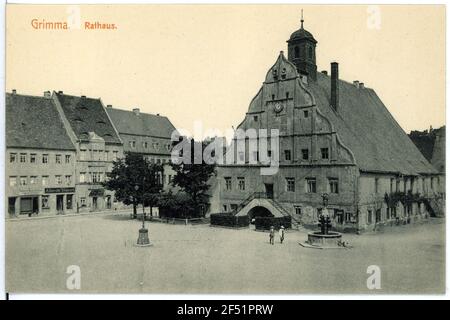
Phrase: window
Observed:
(269, 154)
(67, 158)
(145, 144)
(290, 184)
(241, 183)
(225, 208)
(391, 186)
(298, 210)
(100, 155)
(83, 154)
(255, 118)
(378, 215)
(241, 156)
(305, 154)
(44, 180)
(33, 158)
(311, 185)
(310, 52)
(273, 97)
(334, 185)
(68, 179)
(324, 152)
(255, 155)
(23, 157)
(369, 216)
(12, 157)
(83, 202)
(132, 144)
(233, 207)
(228, 183)
(377, 182)
(45, 204)
(287, 155)
(305, 113)
(296, 52)
(397, 185)
(287, 95)
(23, 181)
(96, 177)
(12, 181)
(58, 179)
(33, 180)
(155, 145)
(115, 153)
(106, 156)
(82, 177)
(388, 213)
(58, 159)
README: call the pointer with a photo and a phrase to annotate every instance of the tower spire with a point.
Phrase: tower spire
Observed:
(302, 20)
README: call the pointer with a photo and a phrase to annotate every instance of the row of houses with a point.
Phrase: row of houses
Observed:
(59, 149)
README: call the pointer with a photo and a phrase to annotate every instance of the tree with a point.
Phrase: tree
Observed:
(193, 179)
(135, 181)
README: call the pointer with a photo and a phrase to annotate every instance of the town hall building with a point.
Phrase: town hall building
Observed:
(339, 148)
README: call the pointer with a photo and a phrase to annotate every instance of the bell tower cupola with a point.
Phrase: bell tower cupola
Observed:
(302, 52)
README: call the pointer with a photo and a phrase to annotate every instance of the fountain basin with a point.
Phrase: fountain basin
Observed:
(329, 240)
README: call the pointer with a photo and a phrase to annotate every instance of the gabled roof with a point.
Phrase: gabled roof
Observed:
(34, 122)
(369, 130)
(142, 124)
(88, 115)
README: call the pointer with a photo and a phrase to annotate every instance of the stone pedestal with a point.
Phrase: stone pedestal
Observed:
(143, 240)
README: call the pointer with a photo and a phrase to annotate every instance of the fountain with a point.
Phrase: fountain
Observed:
(324, 238)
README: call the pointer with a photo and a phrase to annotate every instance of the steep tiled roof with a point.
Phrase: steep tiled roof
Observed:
(87, 115)
(368, 129)
(142, 124)
(34, 122)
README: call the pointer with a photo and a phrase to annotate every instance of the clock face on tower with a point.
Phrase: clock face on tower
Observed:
(278, 107)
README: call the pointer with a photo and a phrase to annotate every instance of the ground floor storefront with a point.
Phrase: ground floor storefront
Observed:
(48, 201)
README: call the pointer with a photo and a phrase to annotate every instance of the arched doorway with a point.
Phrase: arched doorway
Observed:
(258, 211)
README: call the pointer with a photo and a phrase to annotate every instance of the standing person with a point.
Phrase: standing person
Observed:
(271, 235)
(281, 233)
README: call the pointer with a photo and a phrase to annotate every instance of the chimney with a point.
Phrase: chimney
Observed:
(83, 97)
(361, 85)
(136, 111)
(335, 85)
(109, 106)
(325, 72)
(60, 92)
(47, 94)
(157, 114)
(356, 83)
(13, 91)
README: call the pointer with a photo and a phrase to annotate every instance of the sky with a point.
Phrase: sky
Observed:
(206, 62)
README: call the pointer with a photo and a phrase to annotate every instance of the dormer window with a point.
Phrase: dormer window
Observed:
(101, 122)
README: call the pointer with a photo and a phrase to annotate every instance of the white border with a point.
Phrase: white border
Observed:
(196, 296)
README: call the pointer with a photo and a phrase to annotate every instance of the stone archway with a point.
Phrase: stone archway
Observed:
(259, 211)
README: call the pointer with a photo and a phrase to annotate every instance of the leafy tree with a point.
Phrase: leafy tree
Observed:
(192, 178)
(135, 181)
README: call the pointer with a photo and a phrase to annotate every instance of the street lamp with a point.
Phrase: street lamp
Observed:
(143, 240)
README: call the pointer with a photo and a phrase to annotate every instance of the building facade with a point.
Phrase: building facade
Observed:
(146, 134)
(97, 144)
(40, 158)
(339, 148)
